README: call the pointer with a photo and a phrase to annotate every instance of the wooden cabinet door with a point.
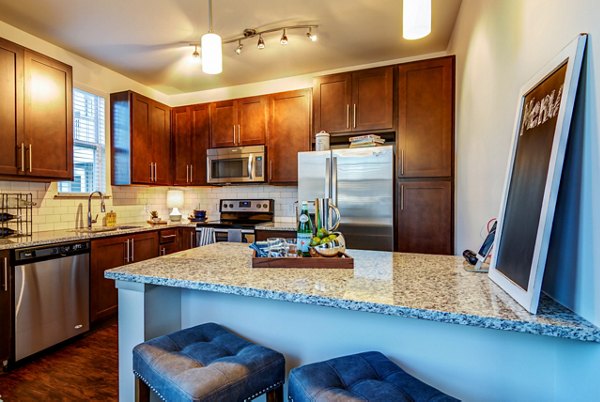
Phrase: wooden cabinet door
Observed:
(160, 128)
(373, 99)
(426, 118)
(425, 217)
(252, 116)
(11, 107)
(48, 117)
(144, 246)
(106, 253)
(141, 140)
(223, 118)
(181, 145)
(199, 135)
(187, 238)
(331, 103)
(289, 134)
(5, 307)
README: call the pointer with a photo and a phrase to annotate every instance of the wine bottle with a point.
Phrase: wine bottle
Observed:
(8, 232)
(5, 216)
(305, 231)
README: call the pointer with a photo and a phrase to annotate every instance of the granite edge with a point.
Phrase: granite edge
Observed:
(583, 332)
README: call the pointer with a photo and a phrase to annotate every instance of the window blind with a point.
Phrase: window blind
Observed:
(89, 162)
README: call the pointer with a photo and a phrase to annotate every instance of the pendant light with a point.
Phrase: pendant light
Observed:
(212, 52)
(416, 19)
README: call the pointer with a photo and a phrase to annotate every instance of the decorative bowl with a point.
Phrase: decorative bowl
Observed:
(331, 249)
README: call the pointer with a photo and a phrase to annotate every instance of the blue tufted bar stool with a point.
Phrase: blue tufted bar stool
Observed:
(368, 376)
(207, 363)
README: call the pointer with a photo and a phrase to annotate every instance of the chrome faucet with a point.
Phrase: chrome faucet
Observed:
(102, 208)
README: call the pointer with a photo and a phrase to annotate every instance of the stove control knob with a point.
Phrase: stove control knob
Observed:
(230, 205)
(265, 206)
(258, 206)
(224, 205)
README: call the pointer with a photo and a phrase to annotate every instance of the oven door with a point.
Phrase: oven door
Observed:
(235, 165)
(234, 235)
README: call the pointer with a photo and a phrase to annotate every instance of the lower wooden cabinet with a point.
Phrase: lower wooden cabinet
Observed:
(5, 307)
(187, 238)
(425, 221)
(110, 253)
(262, 235)
(168, 241)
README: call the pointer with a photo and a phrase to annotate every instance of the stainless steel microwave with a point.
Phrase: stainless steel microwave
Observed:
(236, 165)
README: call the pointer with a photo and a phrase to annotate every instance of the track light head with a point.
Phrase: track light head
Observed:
(238, 49)
(196, 56)
(310, 35)
(284, 38)
(261, 43)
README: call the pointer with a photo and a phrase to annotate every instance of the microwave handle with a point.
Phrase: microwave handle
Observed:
(250, 166)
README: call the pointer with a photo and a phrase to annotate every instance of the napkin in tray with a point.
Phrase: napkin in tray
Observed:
(261, 248)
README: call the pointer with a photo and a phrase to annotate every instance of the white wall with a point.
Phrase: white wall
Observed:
(499, 45)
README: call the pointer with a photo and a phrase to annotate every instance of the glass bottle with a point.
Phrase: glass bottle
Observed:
(305, 231)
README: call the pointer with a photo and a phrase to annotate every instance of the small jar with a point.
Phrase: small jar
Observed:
(322, 141)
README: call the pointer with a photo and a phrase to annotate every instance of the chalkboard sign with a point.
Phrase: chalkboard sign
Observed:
(531, 188)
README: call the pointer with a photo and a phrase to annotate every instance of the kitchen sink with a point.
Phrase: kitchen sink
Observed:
(124, 227)
(93, 230)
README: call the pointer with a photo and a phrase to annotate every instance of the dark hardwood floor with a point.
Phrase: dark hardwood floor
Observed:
(84, 370)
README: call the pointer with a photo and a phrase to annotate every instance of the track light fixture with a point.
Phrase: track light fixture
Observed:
(211, 43)
(196, 56)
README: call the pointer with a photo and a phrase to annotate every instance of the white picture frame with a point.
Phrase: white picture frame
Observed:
(522, 239)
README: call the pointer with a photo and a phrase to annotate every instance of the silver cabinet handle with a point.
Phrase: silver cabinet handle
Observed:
(126, 251)
(271, 169)
(402, 197)
(354, 117)
(151, 172)
(23, 157)
(191, 173)
(187, 173)
(155, 172)
(402, 162)
(192, 239)
(234, 134)
(5, 274)
(30, 158)
(132, 250)
(239, 134)
(347, 115)
(163, 251)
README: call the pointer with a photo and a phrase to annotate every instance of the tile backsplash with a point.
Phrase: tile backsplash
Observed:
(134, 203)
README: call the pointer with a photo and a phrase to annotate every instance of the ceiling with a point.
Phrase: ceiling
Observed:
(147, 40)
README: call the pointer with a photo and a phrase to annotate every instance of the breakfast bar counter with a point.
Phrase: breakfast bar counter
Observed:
(466, 326)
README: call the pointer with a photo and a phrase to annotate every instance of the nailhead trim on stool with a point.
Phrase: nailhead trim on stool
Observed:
(368, 376)
(207, 363)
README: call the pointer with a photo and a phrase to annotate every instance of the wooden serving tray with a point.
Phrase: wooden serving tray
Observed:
(342, 261)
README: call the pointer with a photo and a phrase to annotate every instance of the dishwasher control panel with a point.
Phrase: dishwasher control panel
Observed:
(34, 253)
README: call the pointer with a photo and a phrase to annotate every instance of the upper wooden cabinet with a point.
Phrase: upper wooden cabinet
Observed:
(426, 118)
(238, 122)
(141, 140)
(36, 117)
(354, 102)
(290, 128)
(190, 131)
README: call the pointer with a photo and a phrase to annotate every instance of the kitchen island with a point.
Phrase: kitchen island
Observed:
(470, 339)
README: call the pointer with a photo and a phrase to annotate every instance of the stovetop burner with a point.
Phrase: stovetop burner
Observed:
(242, 214)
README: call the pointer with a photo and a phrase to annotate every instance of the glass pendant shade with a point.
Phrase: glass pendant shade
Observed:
(416, 19)
(212, 53)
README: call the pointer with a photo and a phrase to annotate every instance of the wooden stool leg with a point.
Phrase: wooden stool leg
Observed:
(142, 391)
(275, 395)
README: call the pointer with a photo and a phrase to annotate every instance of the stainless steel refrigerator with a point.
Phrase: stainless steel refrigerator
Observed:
(360, 182)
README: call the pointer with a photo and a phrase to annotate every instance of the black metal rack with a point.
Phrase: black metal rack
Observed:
(16, 212)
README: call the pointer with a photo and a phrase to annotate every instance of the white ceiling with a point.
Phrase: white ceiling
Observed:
(147, 40)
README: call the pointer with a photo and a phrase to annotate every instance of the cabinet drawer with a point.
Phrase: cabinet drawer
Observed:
(168, 236)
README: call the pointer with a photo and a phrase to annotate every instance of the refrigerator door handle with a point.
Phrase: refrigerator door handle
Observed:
(250, 166)
(328, 178)
(334, 180)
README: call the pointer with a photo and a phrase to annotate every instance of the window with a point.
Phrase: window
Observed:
(89, 162)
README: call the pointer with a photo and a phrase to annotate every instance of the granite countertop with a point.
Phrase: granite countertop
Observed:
(285, 226)
(428, 287)
(69, 235)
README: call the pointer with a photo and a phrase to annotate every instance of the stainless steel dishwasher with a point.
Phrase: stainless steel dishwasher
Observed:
(51, 295)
